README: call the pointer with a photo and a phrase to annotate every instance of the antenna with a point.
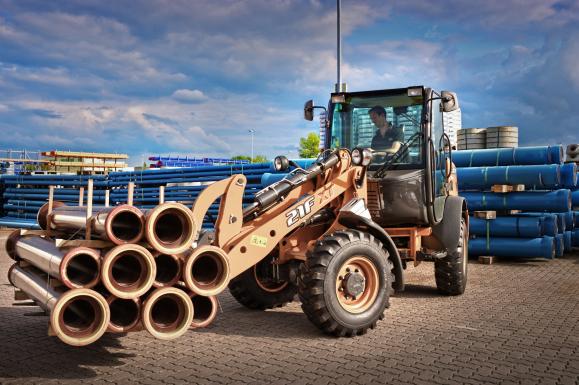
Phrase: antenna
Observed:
(339, 45)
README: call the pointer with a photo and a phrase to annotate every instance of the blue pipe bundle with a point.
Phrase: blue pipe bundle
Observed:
(525, 227)
(513, 247)
(559, 245)
(539, 176)
(554, 201)
(508, 156)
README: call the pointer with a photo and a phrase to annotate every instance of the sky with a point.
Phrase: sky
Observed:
(192, 77)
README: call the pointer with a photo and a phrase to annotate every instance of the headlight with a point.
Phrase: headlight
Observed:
(280, 163)
(366, 156)
(357, 156)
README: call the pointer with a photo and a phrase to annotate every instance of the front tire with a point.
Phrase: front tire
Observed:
(450, 272)
(346, 283)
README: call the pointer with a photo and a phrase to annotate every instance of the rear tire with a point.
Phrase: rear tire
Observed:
(345, 283)
(255, 292)
(450, 272)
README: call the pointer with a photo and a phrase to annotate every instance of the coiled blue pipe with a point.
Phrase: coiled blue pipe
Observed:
(525, 227)
(559, 245)
(568, 237)
(554, 201)
(479, 178)
(543, 247)
(569, 175)
(508, 156)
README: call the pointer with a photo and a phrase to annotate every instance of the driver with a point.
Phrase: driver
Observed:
(387, 137)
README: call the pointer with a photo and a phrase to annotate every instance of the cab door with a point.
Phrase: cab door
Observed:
(438, 143)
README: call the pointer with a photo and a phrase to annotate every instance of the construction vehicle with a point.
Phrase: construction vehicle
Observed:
(341, 233)
(338, 233)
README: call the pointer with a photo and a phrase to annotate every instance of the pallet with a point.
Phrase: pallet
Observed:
(487, 259)
(490, 214)
(505, 188)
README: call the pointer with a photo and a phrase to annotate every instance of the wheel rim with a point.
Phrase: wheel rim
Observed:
(267, 285)
(357, 284)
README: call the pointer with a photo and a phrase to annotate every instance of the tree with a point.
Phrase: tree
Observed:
(256, 159)
(310, 146)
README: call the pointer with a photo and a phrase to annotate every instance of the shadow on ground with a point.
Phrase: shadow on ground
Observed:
(27, 351)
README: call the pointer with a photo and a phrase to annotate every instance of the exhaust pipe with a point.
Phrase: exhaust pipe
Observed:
(76, 268)
(167, 313)
(170, 228)
(169, 268)
(78, 317)
(205, 310)
(206, 271)
(121, 224)
(128, 271)
(125, 314)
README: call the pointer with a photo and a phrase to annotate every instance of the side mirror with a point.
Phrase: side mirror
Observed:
(449, 101)
(309, 110)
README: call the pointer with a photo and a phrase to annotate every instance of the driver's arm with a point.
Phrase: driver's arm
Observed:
(394, 149)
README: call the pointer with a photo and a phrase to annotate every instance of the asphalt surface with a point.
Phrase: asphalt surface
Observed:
(518, 323)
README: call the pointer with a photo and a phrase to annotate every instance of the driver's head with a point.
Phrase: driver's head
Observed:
(378, 116)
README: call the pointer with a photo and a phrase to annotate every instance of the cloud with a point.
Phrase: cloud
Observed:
(189, 96)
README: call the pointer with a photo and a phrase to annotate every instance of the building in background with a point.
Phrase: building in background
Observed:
(452, 123)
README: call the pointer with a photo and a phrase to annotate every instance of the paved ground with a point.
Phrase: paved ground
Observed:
(518, 323)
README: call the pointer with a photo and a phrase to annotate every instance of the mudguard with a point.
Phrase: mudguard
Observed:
(355, 215)
(446, 233)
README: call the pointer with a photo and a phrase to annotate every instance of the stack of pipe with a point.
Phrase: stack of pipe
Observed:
(545, 226)
(137, 271)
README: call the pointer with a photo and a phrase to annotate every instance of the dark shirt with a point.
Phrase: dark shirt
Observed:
(394, 134)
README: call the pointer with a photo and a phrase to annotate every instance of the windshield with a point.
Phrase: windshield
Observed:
(390, 125)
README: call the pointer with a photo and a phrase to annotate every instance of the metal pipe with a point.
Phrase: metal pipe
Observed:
(120, 224)
(125, 314)
(128, 271)
(167, 313)
(206, 271)
(78, 317)
(78, 267)
(205, 310)
(169, 267)
(170, 228)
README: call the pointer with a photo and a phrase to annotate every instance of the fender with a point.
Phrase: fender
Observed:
(446, 233)
(355, 215)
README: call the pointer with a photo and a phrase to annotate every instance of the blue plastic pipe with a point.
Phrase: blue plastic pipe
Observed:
(479, 178)
(569, 175)
(568, 237)
(516, 227)
(508, 156)
(576, 218)
(576, 237)
(575, 198)
(553, 201)
(543, 247)
(569, 220)
(559, 245)
(561, 222)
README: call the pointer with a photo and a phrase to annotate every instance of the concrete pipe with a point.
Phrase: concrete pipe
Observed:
(78, 317)
(128, 271)
(573, 149)
(170, 228)
(167, 313)
(205, 310)
(76, 268)
(120, 224)
(125, 314)
(206, 271)
(169, 267)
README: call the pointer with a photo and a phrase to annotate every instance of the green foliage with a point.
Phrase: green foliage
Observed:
(256, 159)
(309, 146)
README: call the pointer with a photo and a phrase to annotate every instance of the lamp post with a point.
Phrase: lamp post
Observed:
(251, 131)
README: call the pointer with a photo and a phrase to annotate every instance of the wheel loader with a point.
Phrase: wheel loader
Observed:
(340, 233)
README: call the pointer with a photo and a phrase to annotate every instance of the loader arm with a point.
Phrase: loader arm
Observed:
(248, 243)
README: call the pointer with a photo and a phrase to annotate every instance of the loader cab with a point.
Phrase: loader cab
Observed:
(407, 187)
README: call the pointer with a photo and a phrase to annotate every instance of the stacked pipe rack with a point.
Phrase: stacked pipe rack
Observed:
(97, 269)
(521, 201)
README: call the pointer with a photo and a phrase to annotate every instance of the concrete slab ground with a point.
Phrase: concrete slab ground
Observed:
(518, 323)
